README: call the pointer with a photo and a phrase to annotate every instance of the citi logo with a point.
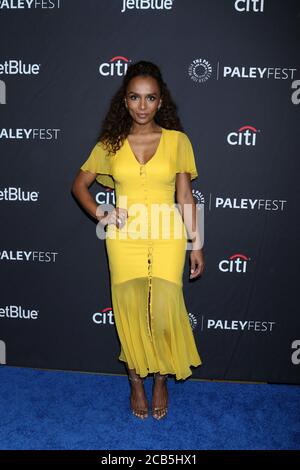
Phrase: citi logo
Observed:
(17, 67)
(116, 66)
(106, 197)
(147, 5)
(18, 312)
(193, 320)
(104, 317)
(235, 264)
(18, 194)
(200, 70)
(249, 5)
(245, 135)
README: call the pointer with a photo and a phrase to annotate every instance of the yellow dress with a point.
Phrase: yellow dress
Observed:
(147, 255)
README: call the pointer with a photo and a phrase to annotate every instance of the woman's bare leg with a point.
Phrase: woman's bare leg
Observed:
(138, 399)
(159, 396)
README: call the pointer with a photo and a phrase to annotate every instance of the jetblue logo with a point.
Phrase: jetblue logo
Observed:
(17, 67)
(147, 5)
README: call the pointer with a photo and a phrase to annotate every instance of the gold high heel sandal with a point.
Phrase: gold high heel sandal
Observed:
(160, 412)
(139, 412)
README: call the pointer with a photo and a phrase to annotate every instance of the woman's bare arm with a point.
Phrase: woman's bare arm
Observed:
(185, 199)
(80, 190)
(188, 211)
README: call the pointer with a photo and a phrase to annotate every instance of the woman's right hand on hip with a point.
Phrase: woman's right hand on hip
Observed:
(117, 216)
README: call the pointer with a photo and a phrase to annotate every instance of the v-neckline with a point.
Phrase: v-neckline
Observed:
(155, 153)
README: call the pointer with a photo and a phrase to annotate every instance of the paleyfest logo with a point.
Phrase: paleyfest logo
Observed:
(29, 4)
(200, 70)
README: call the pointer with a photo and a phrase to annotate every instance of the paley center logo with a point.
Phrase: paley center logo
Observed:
(193, 320)
(198, 196)
(104, 317)
(200, 70)
(146, 5)
(116, 66)
(236, 263)
(29, 4)
(245, 135)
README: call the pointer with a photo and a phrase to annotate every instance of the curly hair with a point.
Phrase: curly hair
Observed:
(117, 122)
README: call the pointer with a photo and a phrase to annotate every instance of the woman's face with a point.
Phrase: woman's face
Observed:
(142, 98)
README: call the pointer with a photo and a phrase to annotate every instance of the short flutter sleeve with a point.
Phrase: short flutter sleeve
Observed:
(99, 163)
(185, 158)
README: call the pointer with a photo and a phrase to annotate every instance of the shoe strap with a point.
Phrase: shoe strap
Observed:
(136, 379)
(160, 377)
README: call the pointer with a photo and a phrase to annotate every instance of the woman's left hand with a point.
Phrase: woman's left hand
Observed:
(197, 263)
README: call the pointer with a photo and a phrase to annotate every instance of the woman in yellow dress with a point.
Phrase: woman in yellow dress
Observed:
(144, 155)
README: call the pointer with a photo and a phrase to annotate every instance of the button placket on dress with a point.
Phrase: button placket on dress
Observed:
(143, 175)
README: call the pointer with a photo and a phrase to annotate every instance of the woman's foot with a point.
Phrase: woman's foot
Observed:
(138, 400)
(159, 396)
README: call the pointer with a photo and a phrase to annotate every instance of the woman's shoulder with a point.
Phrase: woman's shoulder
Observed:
(175, 132)
(177, 136)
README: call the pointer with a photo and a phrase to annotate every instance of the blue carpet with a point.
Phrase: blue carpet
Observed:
(72, 410)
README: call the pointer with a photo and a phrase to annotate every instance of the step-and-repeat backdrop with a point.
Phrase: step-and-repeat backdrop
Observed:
(233, 69)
